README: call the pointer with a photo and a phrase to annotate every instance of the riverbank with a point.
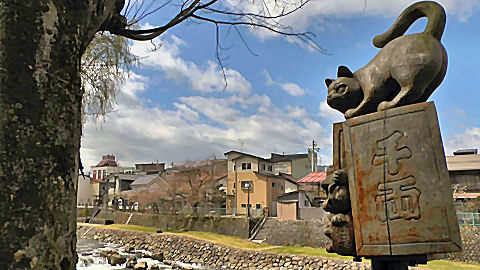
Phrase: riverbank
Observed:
(177, 247)
(226, 252)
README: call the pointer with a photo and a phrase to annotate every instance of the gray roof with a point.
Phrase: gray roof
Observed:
(279, 157)
(129, 176)
(144, 179)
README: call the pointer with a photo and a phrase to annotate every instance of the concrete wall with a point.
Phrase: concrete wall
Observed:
(85, 190)
(296, 233)
(234, 226)
(290, 187)
(311, 213)
(301, 167)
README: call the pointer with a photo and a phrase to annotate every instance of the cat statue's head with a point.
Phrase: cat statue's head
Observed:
(345, 92)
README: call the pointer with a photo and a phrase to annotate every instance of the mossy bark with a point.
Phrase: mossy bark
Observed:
(41, 43)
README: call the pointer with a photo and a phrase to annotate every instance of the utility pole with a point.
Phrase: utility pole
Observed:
(248, 186)
(312, 151)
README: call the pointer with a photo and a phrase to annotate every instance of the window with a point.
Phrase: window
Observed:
(281, 187)
(234, 184)
(306, 203)
(94, 174)
(273, 184)
(99, 175)
(270, 168)
(104, 174)
(263, 167)
(246, 166)
(244, 205)
(258, 206)
(247, 185)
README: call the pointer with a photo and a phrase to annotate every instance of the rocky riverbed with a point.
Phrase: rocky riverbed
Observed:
(95, 255)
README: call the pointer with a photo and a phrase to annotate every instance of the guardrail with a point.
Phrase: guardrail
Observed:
(472, 219)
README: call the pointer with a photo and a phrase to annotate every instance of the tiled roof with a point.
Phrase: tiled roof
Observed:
(108, 163)
(313, 177)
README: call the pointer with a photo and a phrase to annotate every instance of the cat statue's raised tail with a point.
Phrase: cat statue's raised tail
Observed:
(406, 70)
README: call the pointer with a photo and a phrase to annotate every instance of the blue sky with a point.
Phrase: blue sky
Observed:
(174, 108)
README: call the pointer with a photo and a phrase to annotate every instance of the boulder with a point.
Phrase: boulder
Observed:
(106, 252)
(140, 266)
(157, 256)
(131, 263)
(116, 259)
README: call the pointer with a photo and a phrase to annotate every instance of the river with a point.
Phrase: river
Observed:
(91, 256)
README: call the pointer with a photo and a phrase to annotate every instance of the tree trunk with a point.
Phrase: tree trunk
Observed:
(41, 43)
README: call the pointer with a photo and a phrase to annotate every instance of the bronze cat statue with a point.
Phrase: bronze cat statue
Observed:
(406, 70)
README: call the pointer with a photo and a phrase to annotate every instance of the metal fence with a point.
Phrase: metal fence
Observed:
(472, 219)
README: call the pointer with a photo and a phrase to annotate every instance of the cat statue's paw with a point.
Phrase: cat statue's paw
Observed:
(349, 113)
(385, 105)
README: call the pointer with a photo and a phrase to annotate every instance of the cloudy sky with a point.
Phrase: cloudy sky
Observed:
(175, 108)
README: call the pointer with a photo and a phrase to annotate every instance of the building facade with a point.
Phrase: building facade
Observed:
(464, 170)
(106, 166)
(255, 182)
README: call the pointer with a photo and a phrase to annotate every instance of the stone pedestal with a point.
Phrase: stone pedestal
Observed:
(399, 185)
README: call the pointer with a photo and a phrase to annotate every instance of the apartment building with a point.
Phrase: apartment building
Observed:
(256, 182)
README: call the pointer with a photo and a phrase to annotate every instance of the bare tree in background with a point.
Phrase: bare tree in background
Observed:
(41, 99)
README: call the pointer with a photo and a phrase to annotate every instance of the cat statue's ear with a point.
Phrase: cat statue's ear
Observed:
(343, 71)
(328, 82)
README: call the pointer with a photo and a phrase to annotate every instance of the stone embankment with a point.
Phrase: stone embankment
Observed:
(470, 246)
(214, 256)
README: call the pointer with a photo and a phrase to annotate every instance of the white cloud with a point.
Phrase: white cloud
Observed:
(135, 84)
(470, 138)
(297, 112)
(204, 79)
(291, 88)
(216, 109)
(185, 112)
(315, 11)
(138, 133)
(262, 101)
(330, 114)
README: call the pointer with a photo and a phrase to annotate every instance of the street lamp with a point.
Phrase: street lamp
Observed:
(248, 185)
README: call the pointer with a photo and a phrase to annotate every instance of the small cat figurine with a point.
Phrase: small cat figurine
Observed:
(407, 70)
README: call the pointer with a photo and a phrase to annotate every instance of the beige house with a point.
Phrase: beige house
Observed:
(256, 182)
(464, 170)
(90, 191)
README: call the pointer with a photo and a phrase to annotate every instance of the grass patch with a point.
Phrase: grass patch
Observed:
(231, 241)
(130, 227)
(447, 265)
